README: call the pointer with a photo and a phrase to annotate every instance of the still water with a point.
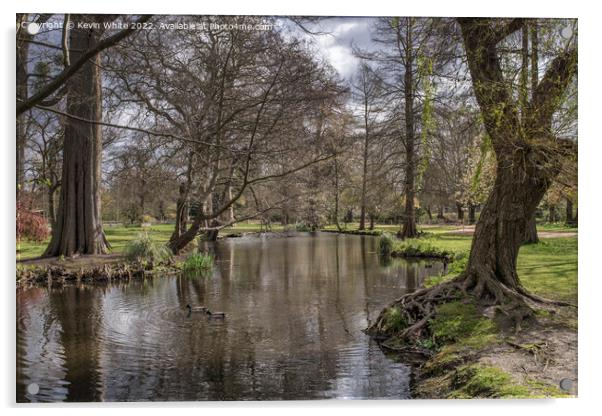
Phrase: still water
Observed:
(296, 307)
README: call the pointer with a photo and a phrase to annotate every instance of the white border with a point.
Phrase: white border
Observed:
(590, 153)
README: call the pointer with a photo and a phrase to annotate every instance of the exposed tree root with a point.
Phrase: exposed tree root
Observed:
(419, 307)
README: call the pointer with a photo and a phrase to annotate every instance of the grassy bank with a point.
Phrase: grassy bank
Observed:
(119, 236)
(473, 355)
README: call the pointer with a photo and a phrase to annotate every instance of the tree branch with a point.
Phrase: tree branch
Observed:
(68, 72)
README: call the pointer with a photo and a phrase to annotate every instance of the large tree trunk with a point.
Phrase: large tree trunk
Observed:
(51, 210)
(178, 242)
(552, 214)
(22, 52)
(569, 212)
(408, 229)
(501, 228)
(528, 158)
(336, 194)
(524, 172)
(472, 213)
(78, 225)
(531, 236)
(460, 209)
(364, 168)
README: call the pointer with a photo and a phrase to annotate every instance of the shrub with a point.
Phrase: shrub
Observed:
(385, 245)
(30, 225)
(302, 227)
(419, 247)
(148, 219)
(394, 319)
(197, 263)
(144, 249)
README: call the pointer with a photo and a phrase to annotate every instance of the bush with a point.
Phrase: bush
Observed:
(197, 263)
(144, 249)
(385, 245)
(30, 225)
(394, 319)
(148, 219)
(302, 227)
(418, 247)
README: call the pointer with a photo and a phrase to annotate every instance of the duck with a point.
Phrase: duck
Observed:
(196, 309)
(215, 315)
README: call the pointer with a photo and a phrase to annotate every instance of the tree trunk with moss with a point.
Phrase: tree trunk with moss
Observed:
(529, 157)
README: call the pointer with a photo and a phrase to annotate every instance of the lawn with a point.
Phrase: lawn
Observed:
(548, 268)
(118, 236)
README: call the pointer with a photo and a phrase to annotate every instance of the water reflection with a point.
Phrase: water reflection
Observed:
(295, 309)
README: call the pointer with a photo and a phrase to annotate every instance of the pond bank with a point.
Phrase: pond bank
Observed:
(56, 272)
(470, 352)
(468, 355)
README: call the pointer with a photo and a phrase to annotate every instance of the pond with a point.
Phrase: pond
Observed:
(295, 310)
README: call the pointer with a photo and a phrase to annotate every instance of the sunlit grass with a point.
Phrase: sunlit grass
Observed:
(119, 236)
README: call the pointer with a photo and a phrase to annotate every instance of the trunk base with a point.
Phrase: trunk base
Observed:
(513, 305)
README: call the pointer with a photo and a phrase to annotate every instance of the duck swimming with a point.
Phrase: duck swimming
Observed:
(215, 315)
(196, 309)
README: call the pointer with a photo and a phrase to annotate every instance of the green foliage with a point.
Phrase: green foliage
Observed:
(197, 264)
(385, 245)
(421, 247)
(394, 320)
(148, 219)
(457, 322)
(144, 249)
(482, 381)
(302, 227)
(425, 69)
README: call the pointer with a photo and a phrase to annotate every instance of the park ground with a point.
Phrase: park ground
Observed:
(471, 354)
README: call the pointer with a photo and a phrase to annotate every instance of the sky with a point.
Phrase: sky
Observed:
(336, 40)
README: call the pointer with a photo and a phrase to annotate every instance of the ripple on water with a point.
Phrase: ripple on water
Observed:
(295, 309)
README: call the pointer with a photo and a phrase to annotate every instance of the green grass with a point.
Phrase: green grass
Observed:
(118, 237)
(474, 381)
(197, 264)
(143, 248)
(556, 227)
(549, 268)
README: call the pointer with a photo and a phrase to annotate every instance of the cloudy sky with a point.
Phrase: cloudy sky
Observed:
(337, 38)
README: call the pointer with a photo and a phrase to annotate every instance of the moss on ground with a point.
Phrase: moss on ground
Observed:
(461, 323)
(460, 333)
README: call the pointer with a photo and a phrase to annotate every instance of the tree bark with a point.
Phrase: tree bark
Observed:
(409, 229)
(570, 221)
(524, 172)
(460, 209)
(22, 91)
(471, 214)
(336, 194)
(552, 215)
(501, 228)
(365, 165)
(78, 225)
(531, 236)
